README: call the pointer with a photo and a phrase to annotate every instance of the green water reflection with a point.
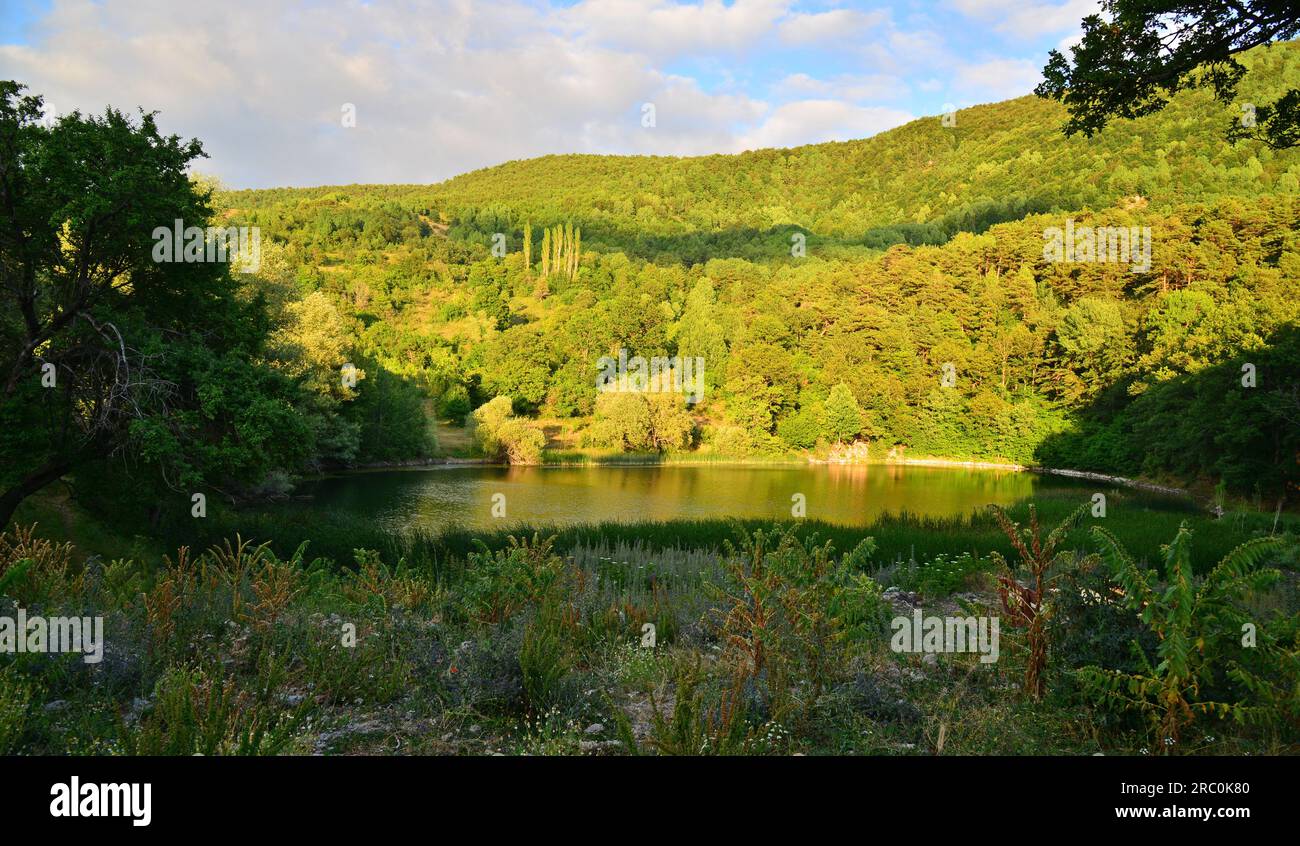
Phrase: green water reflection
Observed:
(849, 495)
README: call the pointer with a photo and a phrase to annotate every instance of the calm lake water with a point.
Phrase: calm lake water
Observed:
(846, 494)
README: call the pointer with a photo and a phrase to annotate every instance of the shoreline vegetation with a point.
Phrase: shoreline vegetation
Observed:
(321, 635)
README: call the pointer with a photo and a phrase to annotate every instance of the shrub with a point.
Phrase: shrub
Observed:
(500, 584)
(940, 575)
(1270, 675)
(706, 719)
(544, 659)
(787, 608)
(485, 673)
(380, 668)
(858, 604)
(200, 711)
(633, 420)
(622, 421)
(1092, 625)
(522, 441)
(193, 598)
(454, 404)
(803, 429)
(500, 435)
(728, 440)
(34, 570)
(1037, 556)
(1194, 621)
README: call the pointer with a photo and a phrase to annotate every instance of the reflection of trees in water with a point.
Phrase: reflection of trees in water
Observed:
(848, 494)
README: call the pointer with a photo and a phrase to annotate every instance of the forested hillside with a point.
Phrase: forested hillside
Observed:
(921, 182)
(996, 162)
(923, 254)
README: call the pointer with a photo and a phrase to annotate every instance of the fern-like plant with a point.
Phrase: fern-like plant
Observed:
(706, 719)
(1192, 619)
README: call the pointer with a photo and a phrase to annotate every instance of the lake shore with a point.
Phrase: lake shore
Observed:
(636, 460)
(1123, 481)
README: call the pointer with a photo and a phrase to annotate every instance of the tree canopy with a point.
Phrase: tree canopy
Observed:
(1130, 62)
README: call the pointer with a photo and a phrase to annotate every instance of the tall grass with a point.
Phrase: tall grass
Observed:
(642, 575)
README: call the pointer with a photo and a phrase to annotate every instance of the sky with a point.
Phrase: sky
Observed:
(442, 87)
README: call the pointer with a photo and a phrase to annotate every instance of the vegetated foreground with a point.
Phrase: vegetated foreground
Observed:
(639, 640)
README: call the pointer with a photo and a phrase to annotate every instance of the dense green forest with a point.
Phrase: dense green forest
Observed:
(919, 183)
(864, 270)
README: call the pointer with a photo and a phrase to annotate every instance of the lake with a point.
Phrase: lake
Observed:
(437, 497)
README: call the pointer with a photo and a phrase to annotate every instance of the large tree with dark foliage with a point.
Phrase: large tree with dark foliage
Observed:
(1130, 62)
(105, 352)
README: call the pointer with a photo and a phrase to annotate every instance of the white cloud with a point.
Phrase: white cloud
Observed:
(837, 24)
(853, 87)
(439, 87)
(665, 28)
(908, 52)
(1027, 18)
(445, 86)
(808, 121)
(998, 79)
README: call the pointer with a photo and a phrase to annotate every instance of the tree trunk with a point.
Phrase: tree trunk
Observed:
(11, 498)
